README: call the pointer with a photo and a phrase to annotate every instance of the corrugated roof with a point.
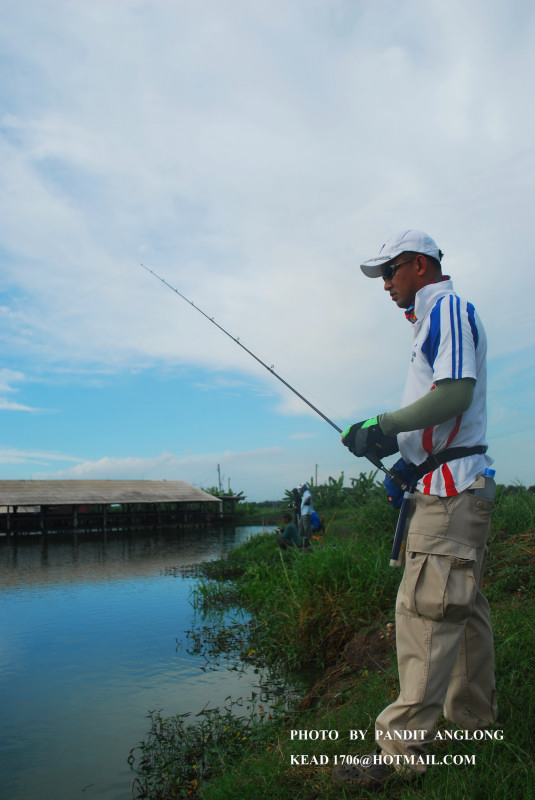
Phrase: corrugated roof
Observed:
(42, 493)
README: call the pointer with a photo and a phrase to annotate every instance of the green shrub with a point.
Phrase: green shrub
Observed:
(514, 509)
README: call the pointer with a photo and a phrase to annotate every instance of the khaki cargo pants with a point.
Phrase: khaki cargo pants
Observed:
(444, 636)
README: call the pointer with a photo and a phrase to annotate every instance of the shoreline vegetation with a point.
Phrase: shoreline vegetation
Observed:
(321, 626)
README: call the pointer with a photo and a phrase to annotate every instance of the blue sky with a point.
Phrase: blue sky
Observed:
(252, 154)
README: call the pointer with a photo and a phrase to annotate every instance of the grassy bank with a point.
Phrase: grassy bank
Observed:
(305, 610)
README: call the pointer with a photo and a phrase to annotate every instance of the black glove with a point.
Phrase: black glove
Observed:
(366, 438)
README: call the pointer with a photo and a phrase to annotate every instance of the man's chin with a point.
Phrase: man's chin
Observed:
(402, 302)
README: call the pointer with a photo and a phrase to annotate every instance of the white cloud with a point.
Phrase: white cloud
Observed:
(253, 154)
(9, 405)
(39, 457)
(252, 469)
(8, 377)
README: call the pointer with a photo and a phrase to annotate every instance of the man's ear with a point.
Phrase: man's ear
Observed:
(426, 268)
(422, 264)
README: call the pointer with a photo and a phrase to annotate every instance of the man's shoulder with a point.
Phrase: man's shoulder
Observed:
(445, 305)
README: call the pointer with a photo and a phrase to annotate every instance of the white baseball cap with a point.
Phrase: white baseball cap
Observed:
(404, 242)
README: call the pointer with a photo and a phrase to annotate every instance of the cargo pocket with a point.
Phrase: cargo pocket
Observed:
(439, 587)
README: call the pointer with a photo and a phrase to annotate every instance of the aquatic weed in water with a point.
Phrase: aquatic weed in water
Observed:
(181, 753)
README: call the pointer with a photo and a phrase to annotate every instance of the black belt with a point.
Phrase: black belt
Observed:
(436, 460)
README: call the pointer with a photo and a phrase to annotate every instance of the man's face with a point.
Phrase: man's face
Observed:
(402, 285)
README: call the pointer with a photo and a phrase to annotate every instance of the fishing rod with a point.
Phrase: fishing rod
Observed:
(370, 456)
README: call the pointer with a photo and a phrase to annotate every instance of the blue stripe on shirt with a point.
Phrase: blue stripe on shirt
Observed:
(472, 321)
(432, 341)
(460, 364)
(453, 337)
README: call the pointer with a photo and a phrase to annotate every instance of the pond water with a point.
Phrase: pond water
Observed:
(92, 638)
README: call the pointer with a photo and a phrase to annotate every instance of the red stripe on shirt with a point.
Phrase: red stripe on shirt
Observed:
(449, 483)
(427, 444)
(427, 440)
(455, 430)
(426, 480)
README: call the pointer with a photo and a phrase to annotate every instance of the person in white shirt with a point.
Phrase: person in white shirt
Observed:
(305, 528)
(444, 636)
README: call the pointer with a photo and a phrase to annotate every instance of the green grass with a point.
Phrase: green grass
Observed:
(303, 609)
(312, 603)
(503, 769)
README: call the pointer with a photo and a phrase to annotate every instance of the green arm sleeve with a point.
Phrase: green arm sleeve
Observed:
(448, 399)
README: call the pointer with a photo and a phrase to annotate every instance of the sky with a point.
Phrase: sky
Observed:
(252, 154)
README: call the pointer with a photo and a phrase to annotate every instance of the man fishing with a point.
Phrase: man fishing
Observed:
(305, 528)
(444, 637)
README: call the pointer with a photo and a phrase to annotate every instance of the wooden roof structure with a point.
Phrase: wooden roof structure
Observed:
(108, 492)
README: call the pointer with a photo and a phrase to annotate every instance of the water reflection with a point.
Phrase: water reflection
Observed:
(93, 637)
(56, 558)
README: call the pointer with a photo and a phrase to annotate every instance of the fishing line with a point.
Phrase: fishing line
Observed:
(237, 340)
(374, 460)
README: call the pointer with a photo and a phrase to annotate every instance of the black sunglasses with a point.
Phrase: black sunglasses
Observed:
(389, 272)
